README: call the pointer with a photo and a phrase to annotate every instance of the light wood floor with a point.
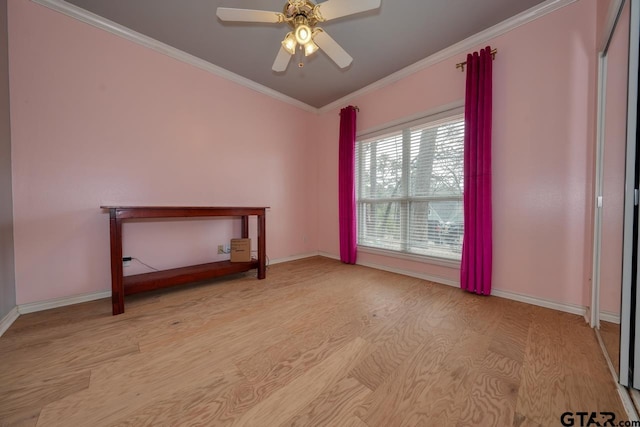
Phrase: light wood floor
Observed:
(316, 343)
(610, 334)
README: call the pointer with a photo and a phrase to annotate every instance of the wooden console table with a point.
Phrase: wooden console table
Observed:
(121, 285)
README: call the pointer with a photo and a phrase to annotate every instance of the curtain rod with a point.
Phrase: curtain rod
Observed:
(462, 64)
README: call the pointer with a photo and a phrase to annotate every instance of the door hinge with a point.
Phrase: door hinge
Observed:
(599, 201)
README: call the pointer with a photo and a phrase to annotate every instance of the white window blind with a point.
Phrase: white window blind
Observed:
(409, 189)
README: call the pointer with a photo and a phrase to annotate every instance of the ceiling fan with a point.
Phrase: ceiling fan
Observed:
(303, 16)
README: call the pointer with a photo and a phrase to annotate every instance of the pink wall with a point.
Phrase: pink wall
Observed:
(98, 119)
(543, 140)
(614, 166)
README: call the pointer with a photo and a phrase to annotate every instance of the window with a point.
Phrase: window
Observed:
(409, 183)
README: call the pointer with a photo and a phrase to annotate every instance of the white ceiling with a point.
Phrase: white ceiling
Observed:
(381, 42)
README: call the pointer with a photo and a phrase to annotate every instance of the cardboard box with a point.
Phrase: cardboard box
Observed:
(240, 250)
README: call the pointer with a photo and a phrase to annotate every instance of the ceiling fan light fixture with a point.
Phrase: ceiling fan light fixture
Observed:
(289, 43)
(302, 16)
(310, 48)
(303, 34)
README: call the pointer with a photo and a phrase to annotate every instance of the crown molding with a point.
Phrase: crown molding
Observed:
(456, 49)
(97, 21)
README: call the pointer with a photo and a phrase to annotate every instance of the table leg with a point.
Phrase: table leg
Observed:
(262, 247)
(117, 288)
(245, 227)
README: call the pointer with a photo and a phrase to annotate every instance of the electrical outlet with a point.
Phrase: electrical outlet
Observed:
(220, 249)
(126, 261)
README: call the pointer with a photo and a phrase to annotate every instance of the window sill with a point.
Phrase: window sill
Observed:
(411, 257)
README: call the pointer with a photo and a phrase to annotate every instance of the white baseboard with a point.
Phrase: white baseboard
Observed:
(8, 320)
(293, 258)
(610, 317)
(61, 302)
(567, 308)
(540, 302)
(329, 255)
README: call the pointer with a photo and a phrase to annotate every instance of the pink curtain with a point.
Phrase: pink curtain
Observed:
(346, 182)
(475, 271)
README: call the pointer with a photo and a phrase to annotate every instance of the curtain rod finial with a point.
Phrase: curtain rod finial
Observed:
(461, 65)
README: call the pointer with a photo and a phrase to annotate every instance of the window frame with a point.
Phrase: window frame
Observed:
(402, 125)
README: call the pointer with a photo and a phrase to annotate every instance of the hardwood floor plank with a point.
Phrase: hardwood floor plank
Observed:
(294, 355)
(543, 387)
(494, 393)
(522, 421)
(401, 340)
(288, 400)
(354, 422)
(275, 366)
(441, 401)
(510, 339)
(20, 404)
(421, 297)
(59, 322)
(394, 398)
(31, 364)
(333, 407)
(466, 311)
(21, 419)
(107, 402)
(206, 404)
(21, 398)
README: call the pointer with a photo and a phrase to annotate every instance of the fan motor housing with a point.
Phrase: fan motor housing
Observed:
(301, 11)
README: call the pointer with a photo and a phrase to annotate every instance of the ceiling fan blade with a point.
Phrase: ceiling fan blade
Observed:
(332, 49)
(248, 15)
(332, 9)
(282, 60)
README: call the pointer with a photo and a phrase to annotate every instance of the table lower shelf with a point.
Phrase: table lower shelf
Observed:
(178, 276)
